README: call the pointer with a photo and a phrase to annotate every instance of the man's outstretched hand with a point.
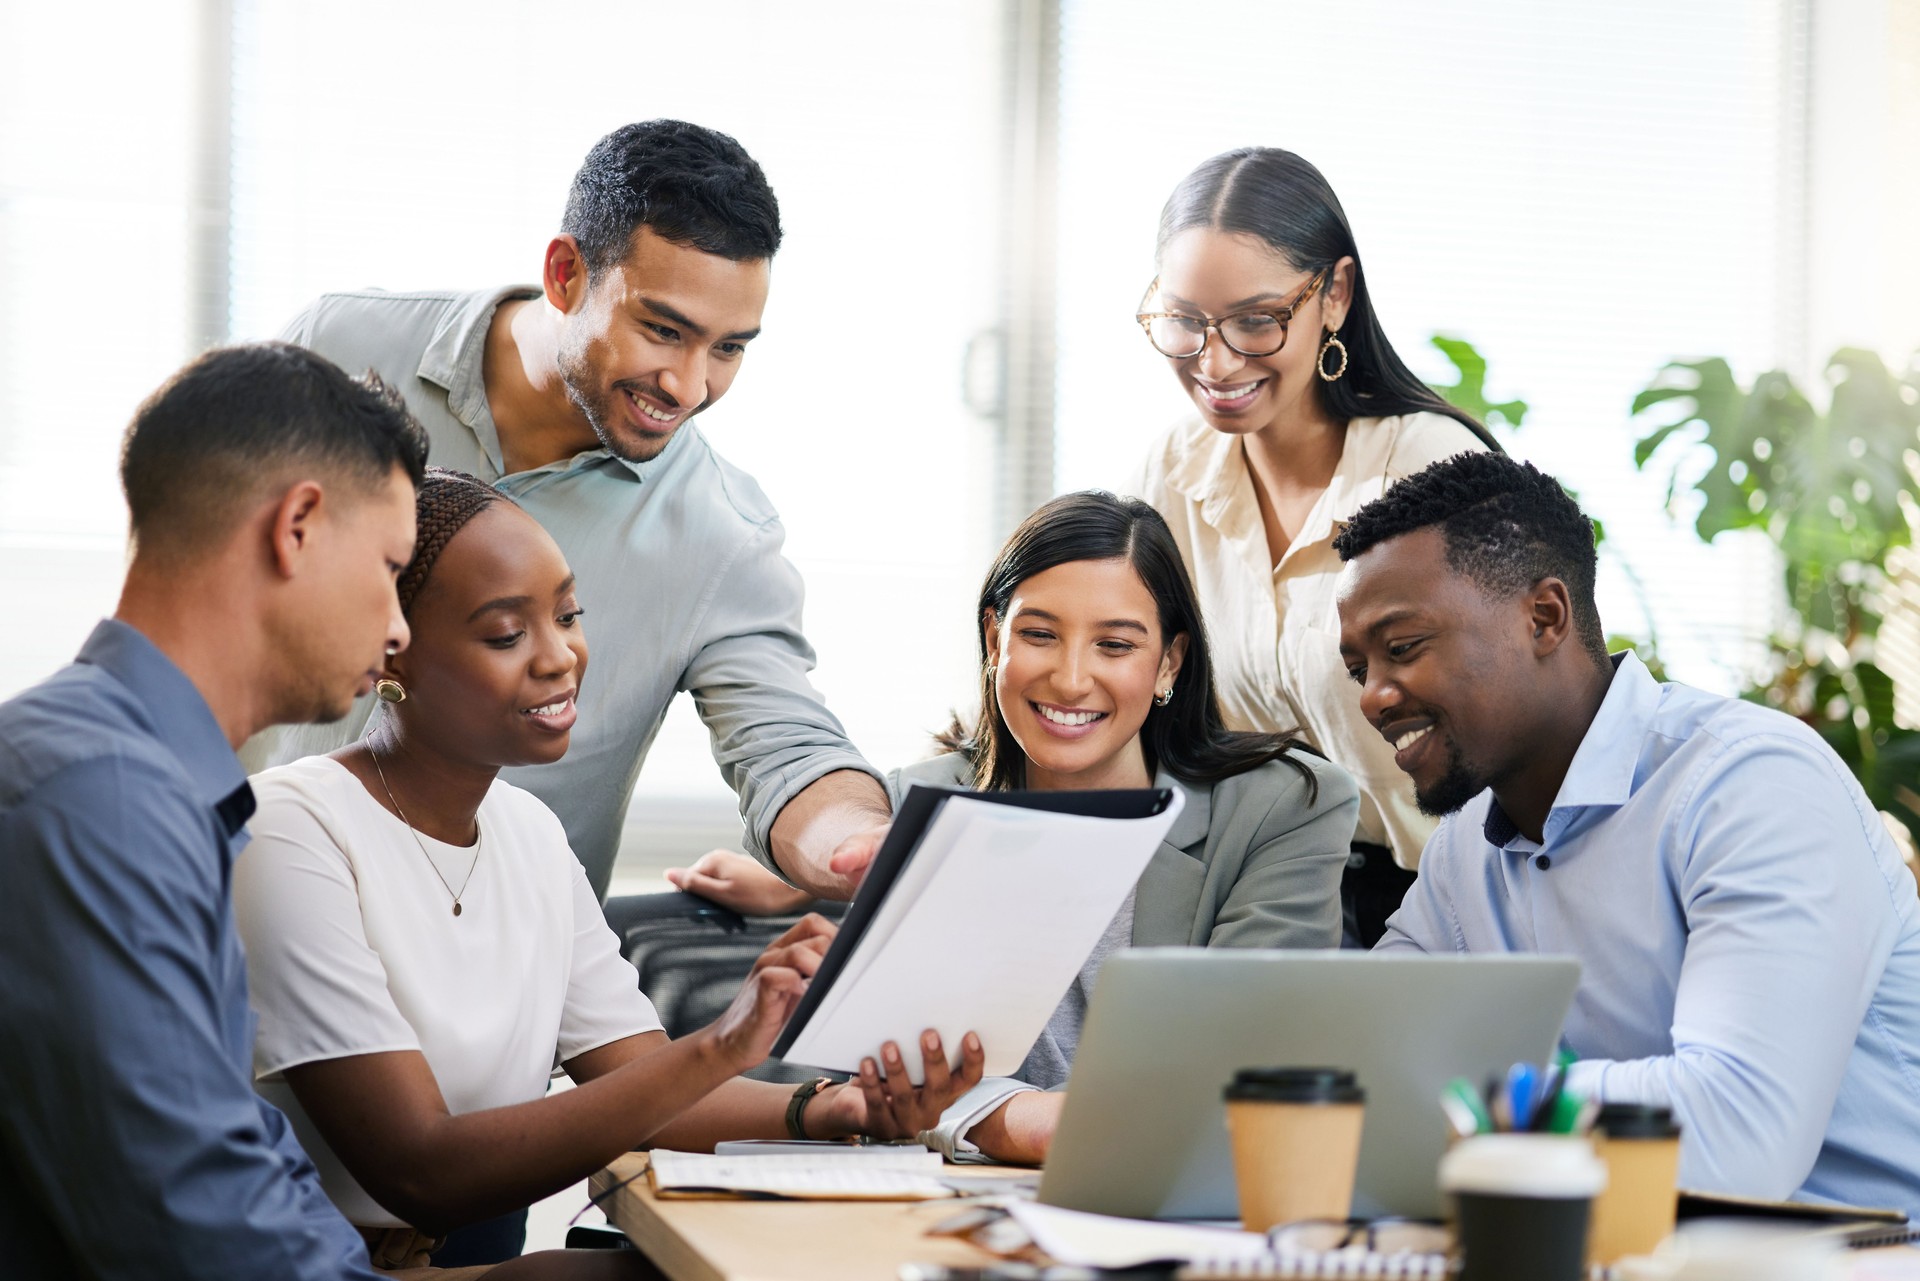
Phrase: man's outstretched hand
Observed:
(853, 856)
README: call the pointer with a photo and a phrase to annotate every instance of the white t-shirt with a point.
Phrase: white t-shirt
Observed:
(353, 948)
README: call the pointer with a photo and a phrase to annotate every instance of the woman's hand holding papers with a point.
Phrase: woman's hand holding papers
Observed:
(893, 1107)
(747, 1028)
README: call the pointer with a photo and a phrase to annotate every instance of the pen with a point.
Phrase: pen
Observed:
(1543, 1111)
(1465, 1112)
(1499, 1106)
(1523, 1085)
(1567, 1110)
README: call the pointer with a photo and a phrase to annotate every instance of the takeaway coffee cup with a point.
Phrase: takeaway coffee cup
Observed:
(1640, 1146)
(1296, 1143)
(1521, 1204)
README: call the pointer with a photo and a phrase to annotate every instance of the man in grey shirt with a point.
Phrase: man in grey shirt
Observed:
(573, 396)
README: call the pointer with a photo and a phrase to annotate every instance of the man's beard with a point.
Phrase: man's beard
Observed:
(603, 412)
(1453, 789)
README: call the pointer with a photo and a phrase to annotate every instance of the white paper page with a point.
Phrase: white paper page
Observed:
(1102, 1241)
(948, 828)
(992, 941)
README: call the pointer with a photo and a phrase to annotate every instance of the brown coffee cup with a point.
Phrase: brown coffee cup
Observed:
(1296, 1143)
(1640, 1146)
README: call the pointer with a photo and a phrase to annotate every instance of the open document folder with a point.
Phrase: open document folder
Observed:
(977, 913)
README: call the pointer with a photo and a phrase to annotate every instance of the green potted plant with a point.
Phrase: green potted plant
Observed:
(1834, 492)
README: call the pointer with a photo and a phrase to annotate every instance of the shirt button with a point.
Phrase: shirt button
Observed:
(1543, 862)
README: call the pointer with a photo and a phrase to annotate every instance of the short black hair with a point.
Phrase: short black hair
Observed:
(204, 446)
(692, 185)
(1507, 525)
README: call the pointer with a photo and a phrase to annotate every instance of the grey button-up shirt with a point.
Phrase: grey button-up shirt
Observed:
(131, 1141)
(680, 574)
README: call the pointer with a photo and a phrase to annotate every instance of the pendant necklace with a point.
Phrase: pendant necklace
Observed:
(422, 844)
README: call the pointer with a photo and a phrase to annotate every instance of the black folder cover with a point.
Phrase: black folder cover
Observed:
(910, 824)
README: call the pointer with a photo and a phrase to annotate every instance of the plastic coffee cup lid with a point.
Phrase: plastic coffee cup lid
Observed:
(1525, 1165)
(1294, 1085)
(1636, 1121)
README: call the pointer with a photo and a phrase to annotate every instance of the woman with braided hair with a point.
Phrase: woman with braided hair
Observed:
(423, 947)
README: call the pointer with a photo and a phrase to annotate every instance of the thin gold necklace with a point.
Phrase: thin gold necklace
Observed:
(416, 833)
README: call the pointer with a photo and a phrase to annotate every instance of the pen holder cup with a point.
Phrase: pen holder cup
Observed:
(1522, 1204)
(1296, 1143)
(1640, 1146)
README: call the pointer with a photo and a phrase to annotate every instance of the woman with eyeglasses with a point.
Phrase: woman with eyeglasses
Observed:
(423, 949)
(1304, 413)
(1094, 673)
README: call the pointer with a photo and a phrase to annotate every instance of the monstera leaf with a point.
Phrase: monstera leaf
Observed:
(1469, 388)
(1827, 489)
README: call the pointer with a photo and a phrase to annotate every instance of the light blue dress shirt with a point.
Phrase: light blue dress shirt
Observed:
(1749, 940)
(132, 1144)
(680, 574)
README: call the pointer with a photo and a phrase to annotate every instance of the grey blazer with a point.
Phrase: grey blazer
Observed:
(1253, 861)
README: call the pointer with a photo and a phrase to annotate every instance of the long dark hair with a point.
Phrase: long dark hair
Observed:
(1188, 737)
(1286, 202)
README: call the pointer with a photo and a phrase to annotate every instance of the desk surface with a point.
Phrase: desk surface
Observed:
(724, 1240)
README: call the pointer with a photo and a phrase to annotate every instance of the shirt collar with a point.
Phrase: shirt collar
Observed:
(177, 716)
(455, 362)
(1603, 766)
(1210, 467)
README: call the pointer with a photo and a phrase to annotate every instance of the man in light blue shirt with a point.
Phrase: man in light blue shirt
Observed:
(1749, 939)
(576, 397)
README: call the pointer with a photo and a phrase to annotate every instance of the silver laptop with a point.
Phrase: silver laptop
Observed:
(1143, 1133)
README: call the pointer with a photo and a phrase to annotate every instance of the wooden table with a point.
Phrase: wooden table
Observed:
(728, 1240)
(731, 1240)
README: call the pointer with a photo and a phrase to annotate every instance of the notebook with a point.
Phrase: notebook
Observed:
(906, 1174)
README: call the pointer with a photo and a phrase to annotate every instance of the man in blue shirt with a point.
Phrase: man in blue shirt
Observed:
(1748, 936)
(272, 503)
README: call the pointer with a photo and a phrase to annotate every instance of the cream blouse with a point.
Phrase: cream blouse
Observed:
(1274, 631)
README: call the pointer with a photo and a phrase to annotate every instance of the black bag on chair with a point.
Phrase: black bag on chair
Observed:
(692, 955)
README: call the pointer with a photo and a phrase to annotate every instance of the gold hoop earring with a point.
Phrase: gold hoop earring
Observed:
(388, 690)
(1332, 342)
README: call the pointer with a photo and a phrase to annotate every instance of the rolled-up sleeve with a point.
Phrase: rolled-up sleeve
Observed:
(949, 1137)
(124, 1089)
(772, 734)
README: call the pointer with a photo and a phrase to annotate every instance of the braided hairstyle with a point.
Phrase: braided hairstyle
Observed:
(446, 501)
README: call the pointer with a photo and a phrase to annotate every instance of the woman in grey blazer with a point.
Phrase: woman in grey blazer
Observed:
(1094, 674)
